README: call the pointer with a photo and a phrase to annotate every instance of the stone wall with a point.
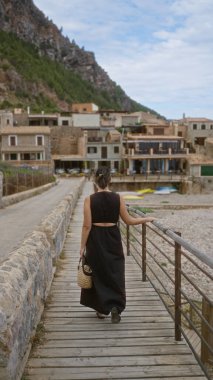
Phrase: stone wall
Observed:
(17, 197)
(25, 279)
(207, 184)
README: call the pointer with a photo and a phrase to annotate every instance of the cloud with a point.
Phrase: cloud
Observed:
(160, 52)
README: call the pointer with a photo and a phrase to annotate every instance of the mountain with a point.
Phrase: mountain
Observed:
(38, 65)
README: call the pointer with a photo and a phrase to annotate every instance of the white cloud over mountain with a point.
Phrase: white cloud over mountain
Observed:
(159, 51)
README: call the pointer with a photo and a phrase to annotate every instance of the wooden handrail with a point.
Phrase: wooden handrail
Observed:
(189, 247)
(176, 292)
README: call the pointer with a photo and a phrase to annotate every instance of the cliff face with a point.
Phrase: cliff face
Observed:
(24, 19)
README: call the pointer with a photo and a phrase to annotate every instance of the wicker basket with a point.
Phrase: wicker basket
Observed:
(84, 277)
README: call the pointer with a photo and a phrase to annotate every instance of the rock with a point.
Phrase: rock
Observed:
(25, 20)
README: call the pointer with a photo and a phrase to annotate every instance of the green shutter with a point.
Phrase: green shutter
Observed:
(207, 170)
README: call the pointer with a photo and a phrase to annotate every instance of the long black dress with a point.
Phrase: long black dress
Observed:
(104, 253)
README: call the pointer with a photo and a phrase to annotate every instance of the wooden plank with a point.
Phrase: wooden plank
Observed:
(113, 361)
(87, 313)
(113, 342)
(101, 373)
(65, 352)
(67, 377)
(107, 327)
(108, 334)
(141, 320)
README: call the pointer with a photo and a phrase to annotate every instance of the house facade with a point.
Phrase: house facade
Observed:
(197, 130)
(201, 165)
(26, 145)
(6, 119)
(86, 120)
(154, 154)
(87, 149)
(43, 119)
(84, 107)
(104, 149)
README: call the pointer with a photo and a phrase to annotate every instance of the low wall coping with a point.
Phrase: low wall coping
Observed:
(25, 280)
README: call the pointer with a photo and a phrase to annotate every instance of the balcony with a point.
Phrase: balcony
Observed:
(157, 152)
(94, 139)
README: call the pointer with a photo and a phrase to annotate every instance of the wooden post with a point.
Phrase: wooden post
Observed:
(207, 311)
(32, 177)
(17, 182)
(127, 240)
(144, 252)
(6, 184)
(177, 290)
(1, 188)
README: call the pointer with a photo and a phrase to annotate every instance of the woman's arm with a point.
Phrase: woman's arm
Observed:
(87, 223)
(128, 219)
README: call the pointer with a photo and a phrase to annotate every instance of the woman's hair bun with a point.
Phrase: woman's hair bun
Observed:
(102, 177)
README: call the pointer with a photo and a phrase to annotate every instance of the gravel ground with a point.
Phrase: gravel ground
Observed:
(192, 216)
(175, 211)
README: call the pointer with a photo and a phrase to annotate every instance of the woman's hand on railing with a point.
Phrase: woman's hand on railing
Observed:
(149, 219)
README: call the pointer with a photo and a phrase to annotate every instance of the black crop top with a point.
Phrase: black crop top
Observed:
(105, 207)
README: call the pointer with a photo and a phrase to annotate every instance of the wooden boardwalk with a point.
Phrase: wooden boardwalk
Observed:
(77, 345)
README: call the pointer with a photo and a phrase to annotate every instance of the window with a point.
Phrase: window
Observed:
(203, 126)
(116, 149)
(194, 126)
(25, 156)
(40, 140)
(104, 152)
(180, 134)
(92, 149)
(39, 156)
(12, 140)
(13, 156)
(116, 165)
(8, 121)
(200, 141)
(65, 122)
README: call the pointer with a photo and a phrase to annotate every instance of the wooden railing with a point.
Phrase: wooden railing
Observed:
(182, 275)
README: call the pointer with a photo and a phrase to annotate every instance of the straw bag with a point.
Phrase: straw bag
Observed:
(84, 276)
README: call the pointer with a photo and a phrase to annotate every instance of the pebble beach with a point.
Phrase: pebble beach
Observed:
(189, 214)
(192, 216)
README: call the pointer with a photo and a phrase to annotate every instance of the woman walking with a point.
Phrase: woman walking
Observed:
(104, 252)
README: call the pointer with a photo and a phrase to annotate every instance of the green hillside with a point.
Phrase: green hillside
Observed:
(68, 86)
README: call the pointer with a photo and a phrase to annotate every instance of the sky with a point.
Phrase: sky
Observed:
(159, 51)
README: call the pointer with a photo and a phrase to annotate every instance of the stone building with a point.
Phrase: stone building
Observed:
(84, 107)
(86, 120)
(6, 119)
(26, 146)
(197, 130)
(154, 154)
(209, 147)
(43, 119)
